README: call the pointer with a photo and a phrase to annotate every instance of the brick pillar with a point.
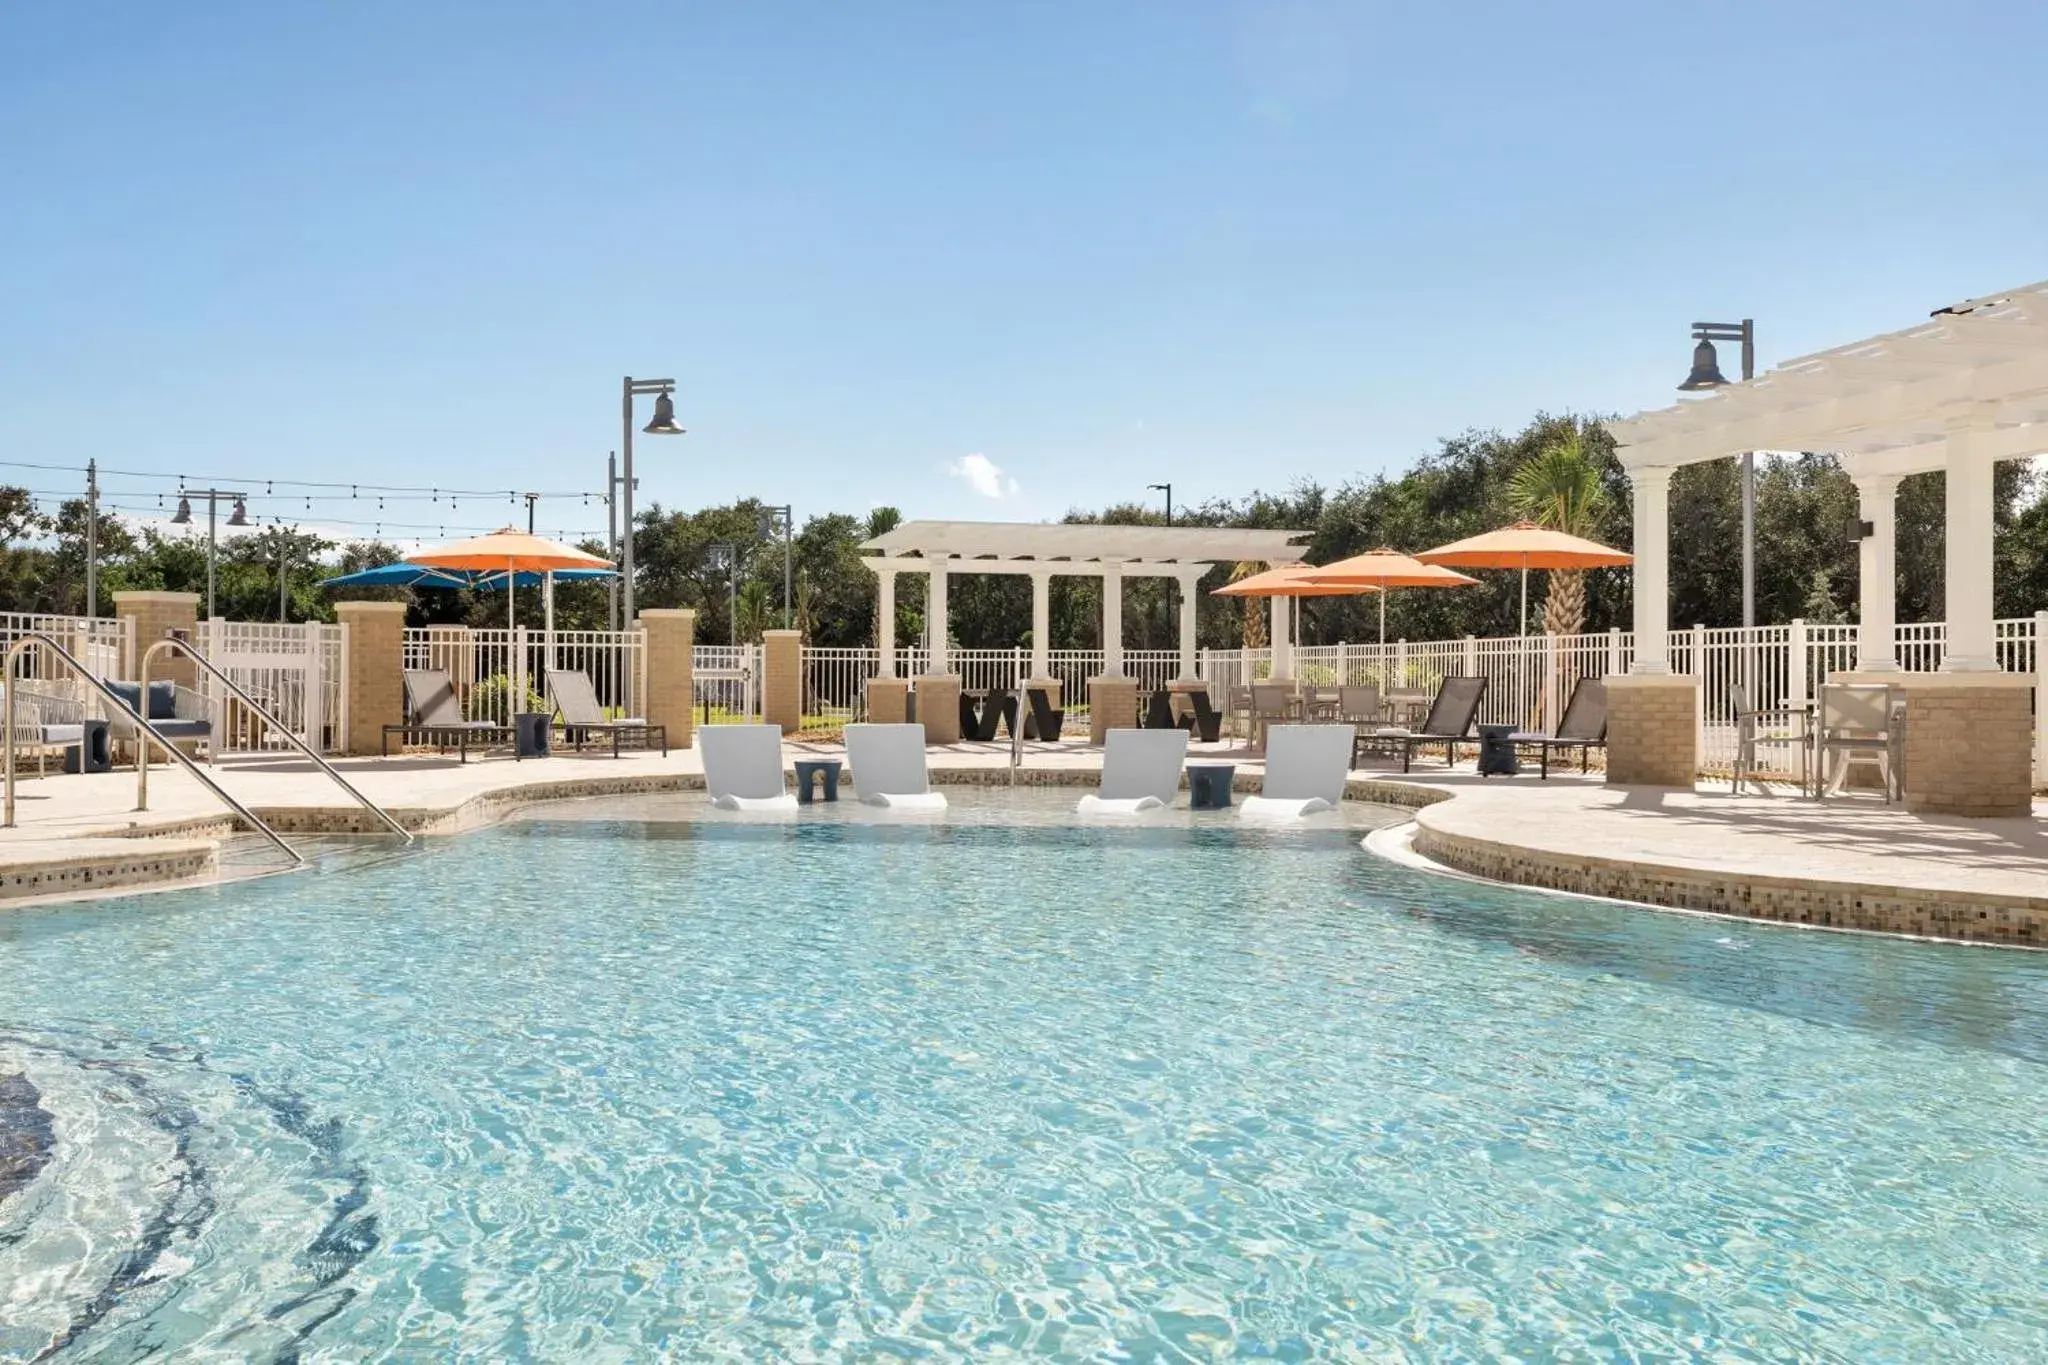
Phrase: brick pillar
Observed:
(1112, 704)
(888, 701)
(938, 707)
(782, 679)
(156, 614)
(375, 662)
(1969, 741)
(1652, 730)
(671, 665)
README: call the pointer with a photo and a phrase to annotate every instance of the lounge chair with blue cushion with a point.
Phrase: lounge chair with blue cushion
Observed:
(176, 713)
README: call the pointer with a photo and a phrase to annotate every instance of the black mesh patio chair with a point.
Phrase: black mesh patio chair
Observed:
(1583, 726)
(575, 701)
(991, 717)
(1449, 723)
(1046, 719)
(1159, 711)
(437, 719)
(1207, 721)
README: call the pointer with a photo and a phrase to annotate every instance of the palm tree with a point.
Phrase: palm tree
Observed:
(1254, 636)
(1560, 487)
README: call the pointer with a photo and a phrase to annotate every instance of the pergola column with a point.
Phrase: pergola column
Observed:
(1972, 640)
(1041, 623)
(1283, 638)
(1113, 618)
(1651, 489)
(1877, 570)
(935, 617)
(1190, 584)
(885, 621)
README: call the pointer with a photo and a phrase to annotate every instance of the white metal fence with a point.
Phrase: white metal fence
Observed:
(298, 673)
(104, 644)
(726, 683)
(498, 672)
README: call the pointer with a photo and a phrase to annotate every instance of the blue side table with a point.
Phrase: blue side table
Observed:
(808, 770)
(1209, 785)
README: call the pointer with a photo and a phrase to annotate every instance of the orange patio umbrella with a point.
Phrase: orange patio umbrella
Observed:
(514, 552)
(1386, 568)
(1289, 580)
(1526, 546)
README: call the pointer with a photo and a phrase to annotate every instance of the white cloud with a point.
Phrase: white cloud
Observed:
(983, 476)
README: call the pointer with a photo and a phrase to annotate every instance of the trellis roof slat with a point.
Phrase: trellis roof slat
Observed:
(1086, 542)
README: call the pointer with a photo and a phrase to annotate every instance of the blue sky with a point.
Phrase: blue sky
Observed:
(1099, 245)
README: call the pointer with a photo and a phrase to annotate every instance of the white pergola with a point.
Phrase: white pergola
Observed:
(942, 549)
(1958, 392)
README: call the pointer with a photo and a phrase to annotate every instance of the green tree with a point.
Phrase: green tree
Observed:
(1561, 487)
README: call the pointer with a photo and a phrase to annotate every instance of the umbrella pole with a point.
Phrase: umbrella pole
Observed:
(1525, 598)
(1383, 618)
(548, 587)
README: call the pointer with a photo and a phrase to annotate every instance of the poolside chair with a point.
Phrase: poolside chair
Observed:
(1860, 728)
(1046, 719)
(1306, 768)
(887, 763)
(1583, 726)
(1272, 704)
(575, 701)
(1140, 771)
(970, 719)
(743, 767)
(177, 713)
(1159, 711)
(437, 716)
(1756, 726)
(1448, 723)
(991, 717)
(1207, 721)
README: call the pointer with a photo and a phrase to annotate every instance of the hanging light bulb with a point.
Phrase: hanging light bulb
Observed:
(183, 517)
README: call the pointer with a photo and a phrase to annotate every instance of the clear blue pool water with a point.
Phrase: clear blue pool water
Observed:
(597, 1090)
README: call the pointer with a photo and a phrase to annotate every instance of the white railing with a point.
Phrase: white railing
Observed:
(298, 673)
(725, 683)
(104, 644)
(497, 672)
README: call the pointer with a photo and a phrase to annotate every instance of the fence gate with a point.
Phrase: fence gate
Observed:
(725, 681)
(297, 673)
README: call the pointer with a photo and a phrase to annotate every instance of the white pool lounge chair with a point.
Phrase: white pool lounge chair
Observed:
(1140, 771)
(743, 767)
(888, 767)
(1306, 767)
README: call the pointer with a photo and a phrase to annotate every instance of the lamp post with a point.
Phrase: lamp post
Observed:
(239, 517)
(771, 518)
(663, 424)
(611, 536)
(1706, 374)
(724, 554)
(1167, 489)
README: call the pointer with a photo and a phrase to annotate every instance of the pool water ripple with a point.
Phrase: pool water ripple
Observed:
(969, 1089)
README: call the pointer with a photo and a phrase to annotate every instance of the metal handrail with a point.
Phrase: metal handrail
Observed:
(196, 656)
(29, 637)
(1017, 730)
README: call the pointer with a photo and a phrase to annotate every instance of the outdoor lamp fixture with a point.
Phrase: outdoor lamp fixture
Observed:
(771, 519)
(1706, 374)
(239, 517)
(664, 424)
(725, 555)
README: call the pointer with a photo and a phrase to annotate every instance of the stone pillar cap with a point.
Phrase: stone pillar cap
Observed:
(780, 633)
(667, 613)
(190, 599)
(353, 608)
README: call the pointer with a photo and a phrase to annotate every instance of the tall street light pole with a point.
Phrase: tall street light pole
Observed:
(664, 424)
(1167, 489)
(1706, 374)
(92, 537)
(239, 517)
(771, 519)
(611, 536)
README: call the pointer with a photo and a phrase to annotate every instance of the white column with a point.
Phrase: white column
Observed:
(935, 617)
(1972, 646)
(1652, 500)
(1190, 585)
(1113, 617)
(1041, 624)
(1877, 572)
(885, 621)
(1283, 639)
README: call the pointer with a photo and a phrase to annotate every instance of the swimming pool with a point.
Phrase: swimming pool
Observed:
(589, 1087)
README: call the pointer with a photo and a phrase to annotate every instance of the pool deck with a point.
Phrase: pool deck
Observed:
(1849, 863)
